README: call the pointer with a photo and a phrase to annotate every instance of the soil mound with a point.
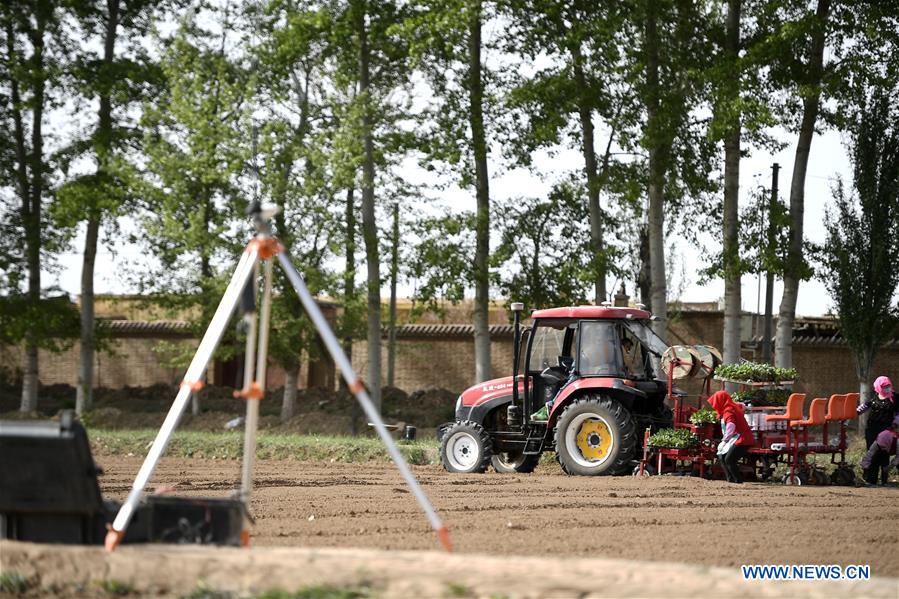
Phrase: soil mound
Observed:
(317, 410)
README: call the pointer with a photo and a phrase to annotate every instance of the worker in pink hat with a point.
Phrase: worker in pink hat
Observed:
(884, 408)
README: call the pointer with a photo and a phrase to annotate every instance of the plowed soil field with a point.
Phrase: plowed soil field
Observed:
(557, 518)
(548, 513)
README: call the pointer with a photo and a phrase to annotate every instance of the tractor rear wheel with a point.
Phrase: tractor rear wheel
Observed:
(466, 447)
(508, 462)
(595, 436)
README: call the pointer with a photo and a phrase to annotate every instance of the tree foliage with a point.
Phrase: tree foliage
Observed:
(860, 257)
(320, 107)
(545, 247)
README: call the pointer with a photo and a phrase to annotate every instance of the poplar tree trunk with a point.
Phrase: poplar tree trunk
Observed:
(84, 388)
(590, 168)
(394, 271)
(369, 227)
(783, 356)
(644, 276)
(349, 295)
(289, 401)
(658, 286)
(349, 271)
(33, 199)
(864, 361)
(732, 289)
(483, 367)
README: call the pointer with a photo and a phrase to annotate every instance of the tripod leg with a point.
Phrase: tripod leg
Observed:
(249, 355)
(358, 389)
(255, 388)
(192, 379)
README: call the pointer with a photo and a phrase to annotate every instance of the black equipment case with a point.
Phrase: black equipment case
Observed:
(49, 493)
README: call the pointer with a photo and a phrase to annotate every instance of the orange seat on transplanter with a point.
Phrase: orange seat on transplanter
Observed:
(815, 413)
(850, 406)
(794, 409)
(835, 407)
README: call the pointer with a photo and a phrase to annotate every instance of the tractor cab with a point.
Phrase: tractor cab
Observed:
(595, 366)
(565, 350)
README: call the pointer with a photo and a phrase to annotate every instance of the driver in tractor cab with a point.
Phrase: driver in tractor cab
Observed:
(737, 436)
(627, 351)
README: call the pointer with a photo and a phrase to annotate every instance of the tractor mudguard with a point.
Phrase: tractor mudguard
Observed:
(478, 413)
(611, 387)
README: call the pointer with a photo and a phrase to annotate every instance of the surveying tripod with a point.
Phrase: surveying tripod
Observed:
(262, 248)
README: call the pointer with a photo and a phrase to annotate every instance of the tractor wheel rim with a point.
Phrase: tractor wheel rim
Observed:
(589, 439)
(462, 451)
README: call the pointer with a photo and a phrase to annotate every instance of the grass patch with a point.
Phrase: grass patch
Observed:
(319, 592)
(204, 592)
(13, 583)
(455, 589)
(229, 446)
(115, 588)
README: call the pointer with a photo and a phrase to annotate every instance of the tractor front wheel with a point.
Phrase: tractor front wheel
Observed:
(466, 447)
(594, 436)
(509, 462)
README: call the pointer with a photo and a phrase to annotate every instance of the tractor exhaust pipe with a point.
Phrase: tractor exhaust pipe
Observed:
(513, 412)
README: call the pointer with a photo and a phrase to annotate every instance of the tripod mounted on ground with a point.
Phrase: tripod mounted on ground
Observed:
(244, 283)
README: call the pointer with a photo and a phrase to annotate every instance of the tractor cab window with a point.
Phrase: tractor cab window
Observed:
(633, 355)
(551, 344)
(598, 349)
(653, 345)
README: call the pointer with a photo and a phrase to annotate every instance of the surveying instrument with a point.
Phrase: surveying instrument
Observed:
(242, 289)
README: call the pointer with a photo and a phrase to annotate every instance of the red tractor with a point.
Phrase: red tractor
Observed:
(596, 371)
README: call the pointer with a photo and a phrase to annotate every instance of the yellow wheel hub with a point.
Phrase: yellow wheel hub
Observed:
(594, 440)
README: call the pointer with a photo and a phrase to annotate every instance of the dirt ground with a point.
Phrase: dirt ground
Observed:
(547, 513)
(325, 573)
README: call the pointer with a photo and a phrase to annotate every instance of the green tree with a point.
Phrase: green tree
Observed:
(290, 59)
(559, 103)
(446, 44)
(732, 273)
(545, 248)
(118, 74)
(195, 151)
(817, 57)
(860, 257)
(35, 52)
(794, 28)
(667, 66)
(439, 260)
(374, 58)
(741, 116)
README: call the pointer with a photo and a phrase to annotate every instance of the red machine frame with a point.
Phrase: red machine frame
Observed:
(777, 441)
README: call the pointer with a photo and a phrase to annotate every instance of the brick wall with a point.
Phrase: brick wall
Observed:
(131, 361)
(442, 361)
(433, 362)
(831, 369)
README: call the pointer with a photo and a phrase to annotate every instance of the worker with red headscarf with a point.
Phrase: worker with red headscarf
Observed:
(884, 408)
(737, 437)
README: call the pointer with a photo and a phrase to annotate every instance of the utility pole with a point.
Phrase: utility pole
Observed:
(769, 279)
